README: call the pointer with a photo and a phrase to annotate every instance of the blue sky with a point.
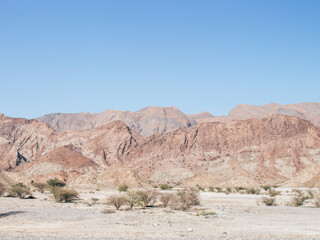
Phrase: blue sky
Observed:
(88, 56)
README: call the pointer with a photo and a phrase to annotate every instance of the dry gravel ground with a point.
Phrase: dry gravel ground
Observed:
(238, 217)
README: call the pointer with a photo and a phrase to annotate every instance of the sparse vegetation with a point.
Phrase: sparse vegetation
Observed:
(117, 200)
(166, 198)
(165, 187)
(20, 190)
(185, 199)
(206, 213)
(132, 198)
(273, 192)
(64, 195)
(2, 189)
(255, 191)
(41, 187)
(266, 187)
(299, 198)
(123, 188)
(269, 201)
(55, 182)
(146, 198)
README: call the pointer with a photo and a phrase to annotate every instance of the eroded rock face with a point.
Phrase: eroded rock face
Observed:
(147, 121)
(275, 150)
(255, 151)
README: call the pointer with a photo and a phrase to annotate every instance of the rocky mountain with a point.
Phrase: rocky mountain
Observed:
(275, 150)
(147, 121)
(309, 111)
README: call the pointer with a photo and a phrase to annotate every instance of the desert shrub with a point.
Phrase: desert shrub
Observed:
(40, 186)
(2, 189)
(315, 196)
(206, 213)
(166, 198)
(184, 199)
(64, 195)
(117, 200)
(238, 189)
(132, 198)
(123, 188)
(269, 201)
(219, 189)
(266, 187)
(92, 201)
(165, 187)
(299, 198)
(147, 198)
(55, 182)
(20, 190)
(273, 193)
(211, 189)
(255, 191)
(228, 190)
(200, 188)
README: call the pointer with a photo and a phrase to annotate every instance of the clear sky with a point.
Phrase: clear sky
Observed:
(88, 56)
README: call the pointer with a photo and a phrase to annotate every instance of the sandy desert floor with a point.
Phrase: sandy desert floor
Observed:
(239, 216)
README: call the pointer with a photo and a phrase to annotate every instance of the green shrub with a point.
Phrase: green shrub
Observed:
(64, 195)
(206, 213)
(266, 187)
(123, 188)
(299, 198)
(20, 190)
(56, 183)
(165, 187)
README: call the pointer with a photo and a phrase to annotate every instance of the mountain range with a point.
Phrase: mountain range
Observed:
(251, 146)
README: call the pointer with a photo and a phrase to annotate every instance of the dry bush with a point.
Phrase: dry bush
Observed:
(299, 198)
(184, 199)
(132, 198)
(2, 189)
(147, 198)
(92, 201)
(20, 190)
(41, 187)
(55, 182)
(123, 188)
(255, 191)
(315, 196)
(117, 200)
(64, 195)
(266, 187)
(166, 198)
(273, 193)
(269, 201)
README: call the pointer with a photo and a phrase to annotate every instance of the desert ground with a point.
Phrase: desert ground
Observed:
(237, 216)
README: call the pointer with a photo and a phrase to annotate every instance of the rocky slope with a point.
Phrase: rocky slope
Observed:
(275, 150)
(147, 121)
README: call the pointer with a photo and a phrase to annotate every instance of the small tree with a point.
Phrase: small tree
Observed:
(56, 183)
(166, 198)
(147, 197)
(132, 199)
(20, 190)
(117, 200)
(64, 195)
(185, 198)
